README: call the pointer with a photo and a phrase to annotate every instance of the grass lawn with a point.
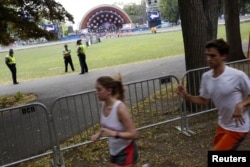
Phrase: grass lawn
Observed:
(47, 61)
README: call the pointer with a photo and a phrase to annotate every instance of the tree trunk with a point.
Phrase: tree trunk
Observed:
(199, 22)
(233, 30)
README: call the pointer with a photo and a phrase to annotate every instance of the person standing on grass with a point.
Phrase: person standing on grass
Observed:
(67, 58)
(229, 89)
(82, 56)
(116, 123)
(10, 61)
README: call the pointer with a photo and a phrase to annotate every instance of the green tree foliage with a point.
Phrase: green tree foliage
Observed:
(137, 13)
(19, 19)
(170, 10)
(244, 7)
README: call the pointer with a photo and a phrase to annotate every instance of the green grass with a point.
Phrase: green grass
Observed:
(44, 62)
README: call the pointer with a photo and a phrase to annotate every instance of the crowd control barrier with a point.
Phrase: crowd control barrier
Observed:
(27, 133)
(150, 102)
(31, 131)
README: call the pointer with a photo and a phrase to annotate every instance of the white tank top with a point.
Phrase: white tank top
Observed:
(112, 122)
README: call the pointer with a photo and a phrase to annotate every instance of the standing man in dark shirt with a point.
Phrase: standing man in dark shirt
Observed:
(82, 56)
(67, 58)
(10, 61)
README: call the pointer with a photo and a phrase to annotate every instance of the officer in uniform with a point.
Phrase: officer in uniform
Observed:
(82, 56)
(10, 61)
(67, 58)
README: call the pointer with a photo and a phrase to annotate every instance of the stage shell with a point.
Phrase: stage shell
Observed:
(104, 18)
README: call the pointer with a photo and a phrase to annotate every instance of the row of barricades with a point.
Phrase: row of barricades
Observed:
(33, 130)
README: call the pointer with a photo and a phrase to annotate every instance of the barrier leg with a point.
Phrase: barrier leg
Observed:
(184, 123)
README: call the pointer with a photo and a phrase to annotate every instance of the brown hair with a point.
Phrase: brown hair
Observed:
(221, 45)
(114, 84)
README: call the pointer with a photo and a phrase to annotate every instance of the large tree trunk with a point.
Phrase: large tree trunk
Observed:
(232, 21)
(199, 21)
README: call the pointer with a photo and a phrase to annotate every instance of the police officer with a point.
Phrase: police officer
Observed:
(67, 58)
(10, 61)
(82, 56)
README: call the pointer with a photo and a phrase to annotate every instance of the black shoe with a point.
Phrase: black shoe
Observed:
(16, 83)
(81, 73)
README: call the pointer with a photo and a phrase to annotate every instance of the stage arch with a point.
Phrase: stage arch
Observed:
(104, 18)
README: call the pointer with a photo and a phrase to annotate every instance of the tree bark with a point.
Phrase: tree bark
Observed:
(233, 35)
(199, 22)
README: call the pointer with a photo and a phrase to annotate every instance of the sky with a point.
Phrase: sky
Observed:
(78, 8)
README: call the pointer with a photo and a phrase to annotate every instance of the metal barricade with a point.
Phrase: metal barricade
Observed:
(74, 114)
(32, 131)
(151, 102)
(195, 109)
(26, 133)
